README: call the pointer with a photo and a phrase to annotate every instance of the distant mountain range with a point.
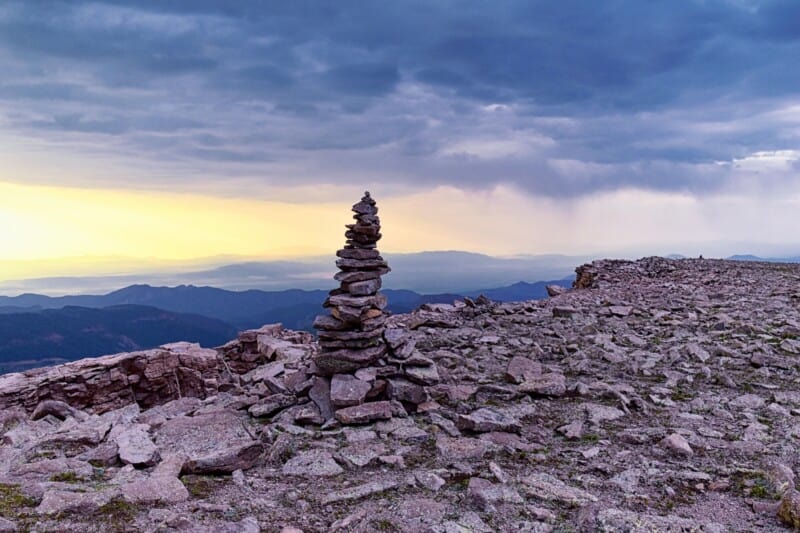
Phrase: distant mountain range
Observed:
(37, 329)
(246, 309)
(50, 336)
(748, 257)
(295, 308)
(423, 272)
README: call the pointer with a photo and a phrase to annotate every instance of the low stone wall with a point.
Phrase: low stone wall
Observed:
(150, 377)
(105, 383)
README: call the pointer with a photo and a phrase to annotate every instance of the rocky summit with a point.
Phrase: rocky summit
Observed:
(656, 395)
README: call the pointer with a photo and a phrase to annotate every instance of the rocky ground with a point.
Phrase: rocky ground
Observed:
(659, 395)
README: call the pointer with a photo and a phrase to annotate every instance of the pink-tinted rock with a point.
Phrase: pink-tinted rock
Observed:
(346, 390)
(215, 442)
(487, 419)
(346, 361)
(149, 378)
(405, 391)
(522, 368)
(364, 288)
(365, 413)
(320, 394)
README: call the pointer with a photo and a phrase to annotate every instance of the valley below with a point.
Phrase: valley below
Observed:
(38, 330)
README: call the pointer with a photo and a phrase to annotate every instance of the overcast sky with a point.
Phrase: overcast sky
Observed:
(565, 106)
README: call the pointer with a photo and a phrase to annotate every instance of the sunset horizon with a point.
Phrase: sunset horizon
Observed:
(178, 131)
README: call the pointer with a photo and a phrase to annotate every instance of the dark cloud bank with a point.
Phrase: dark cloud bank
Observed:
(557, 98)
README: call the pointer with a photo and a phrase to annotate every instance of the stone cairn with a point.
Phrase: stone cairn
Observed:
(360, 368)
(351, 337)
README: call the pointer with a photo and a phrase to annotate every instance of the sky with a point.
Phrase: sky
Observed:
(165, 130)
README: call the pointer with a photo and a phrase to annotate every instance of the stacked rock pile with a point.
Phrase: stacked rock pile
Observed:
(351, 337)
(364, 371)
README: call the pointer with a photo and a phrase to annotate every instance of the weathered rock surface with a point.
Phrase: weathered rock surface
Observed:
(105, 383)
(219, 441)
(660, 395)
(312, 464)
(135, 446)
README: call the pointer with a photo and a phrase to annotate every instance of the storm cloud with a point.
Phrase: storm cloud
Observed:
(555, 98)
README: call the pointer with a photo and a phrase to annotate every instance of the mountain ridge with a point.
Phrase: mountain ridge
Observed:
(222, 311)
(58, 335)
(423, 272)
(254, 307)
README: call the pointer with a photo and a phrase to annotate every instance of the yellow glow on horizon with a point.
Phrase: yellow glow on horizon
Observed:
(41, 223)
(51, 230)
(60, 231)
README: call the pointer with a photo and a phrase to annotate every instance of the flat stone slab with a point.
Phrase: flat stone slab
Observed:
(406, 391)
(315, 463)
(213, 442)
(155, 489)
(550, 384)
(461, 448)
(44, 468)
(487, 419)
(320, 394)
(362, 454)
(365, 413)
(55, 502)
(550, 488)
(483, 493)
(360, 491)
(521, 369)
(365, 288)
(346, 361)
(346, 390)
(597, 413)
(377, 301)
(427, 375)
(272, 404)
(135, 446)
(612, 520)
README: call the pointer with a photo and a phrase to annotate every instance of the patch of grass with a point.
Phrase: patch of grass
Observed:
(754, 484)
(13, 500)
(766, 421)
(427, 451)
(8, 425)
(681, 394)
(43, 454)
(459, 483)
(201, 487)
(683, 496)
(17, 506)
(384, 525)
(519, 457)
(67, 477)
(590, 437)
(117, 515)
